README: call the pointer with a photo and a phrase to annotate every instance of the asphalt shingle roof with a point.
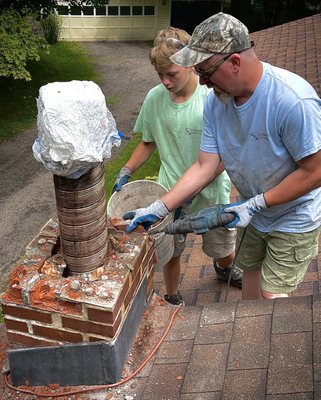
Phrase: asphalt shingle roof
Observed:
(295, 46)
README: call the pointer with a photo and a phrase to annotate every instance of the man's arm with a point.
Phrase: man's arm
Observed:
(193, 181)
(301, 181)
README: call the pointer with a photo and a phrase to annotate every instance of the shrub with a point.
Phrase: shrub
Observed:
(18, 45)
(52, 28)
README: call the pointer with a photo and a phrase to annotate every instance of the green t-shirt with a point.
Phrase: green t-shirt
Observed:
(176, 130)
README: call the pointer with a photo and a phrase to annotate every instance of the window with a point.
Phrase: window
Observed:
(75, 10)
(88, 10)
(124, 10)
(101, 11)
(106, 10)
(137, 10)
(63, 10)
(112, 10)
(149, 10)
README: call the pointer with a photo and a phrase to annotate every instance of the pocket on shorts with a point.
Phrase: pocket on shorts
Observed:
(310, 248)
(302, 255)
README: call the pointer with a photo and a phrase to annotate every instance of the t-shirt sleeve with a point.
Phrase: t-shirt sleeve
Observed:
(208, 139)
(301, 133)
(142, 126)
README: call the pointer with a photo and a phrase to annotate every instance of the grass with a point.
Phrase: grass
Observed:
(18, 110)
(148, 170)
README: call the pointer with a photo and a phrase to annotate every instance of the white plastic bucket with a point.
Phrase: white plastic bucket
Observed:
(142, 193)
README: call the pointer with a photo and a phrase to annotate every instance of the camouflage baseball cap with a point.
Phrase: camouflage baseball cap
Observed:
(219, 34)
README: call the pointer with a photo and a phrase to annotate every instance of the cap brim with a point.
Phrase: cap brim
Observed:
(188, 57)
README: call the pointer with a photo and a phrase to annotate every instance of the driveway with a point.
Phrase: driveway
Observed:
(27, 199)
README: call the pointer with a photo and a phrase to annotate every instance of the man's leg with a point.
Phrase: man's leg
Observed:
(250, 253)
(171, 273)
(251, 287)
(268, 259)
(288, 256)
(271, 296)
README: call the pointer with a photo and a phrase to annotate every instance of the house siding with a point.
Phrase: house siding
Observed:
(118, 28)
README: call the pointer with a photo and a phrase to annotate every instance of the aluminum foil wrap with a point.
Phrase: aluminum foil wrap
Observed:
(75, 128)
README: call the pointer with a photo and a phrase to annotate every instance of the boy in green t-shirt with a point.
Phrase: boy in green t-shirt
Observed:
(171, 120)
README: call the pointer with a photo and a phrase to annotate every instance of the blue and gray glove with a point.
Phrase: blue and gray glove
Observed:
(201, 222)
(245, 210)
(146, 216)
(122, 178)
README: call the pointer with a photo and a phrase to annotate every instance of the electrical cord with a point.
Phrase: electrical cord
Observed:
(101, 387)
(233, 264)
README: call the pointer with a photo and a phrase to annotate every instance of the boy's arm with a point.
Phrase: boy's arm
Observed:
(140, 155)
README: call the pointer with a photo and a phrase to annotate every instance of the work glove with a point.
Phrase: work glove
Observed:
(122, 178)
(146, 216)
(245, 210)
(200, 222)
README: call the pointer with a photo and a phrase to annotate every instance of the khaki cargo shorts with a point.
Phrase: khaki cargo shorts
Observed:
(217, 243)
(283, 258)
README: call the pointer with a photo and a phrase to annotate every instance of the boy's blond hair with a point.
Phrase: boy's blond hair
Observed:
(167, 42)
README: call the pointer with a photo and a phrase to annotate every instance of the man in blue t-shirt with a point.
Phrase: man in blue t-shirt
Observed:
(264, 123)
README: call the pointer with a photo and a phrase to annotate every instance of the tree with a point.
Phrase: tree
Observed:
(45, 7)
(18, 45)
(262, 14)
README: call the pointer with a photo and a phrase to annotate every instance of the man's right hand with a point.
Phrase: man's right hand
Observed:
(146, 216)
(122, 178)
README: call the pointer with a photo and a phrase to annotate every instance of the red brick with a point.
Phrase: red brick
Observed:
(138, 260)
(131, 290)
(83, 326)
(28, 340)
(57, 334)
(112, 330)
(149, 254)
(90, 327)
(108, 317)
(123, 294)
(151, 263)
(15, 325)
(150, 282)
(26, 313)
(97, 315)
(68, 307)
(95, 339)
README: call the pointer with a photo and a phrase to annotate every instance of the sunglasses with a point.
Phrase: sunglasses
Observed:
(209, 72)
(172, 42)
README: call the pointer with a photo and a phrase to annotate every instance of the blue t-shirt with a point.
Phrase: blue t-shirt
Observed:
(260, 141)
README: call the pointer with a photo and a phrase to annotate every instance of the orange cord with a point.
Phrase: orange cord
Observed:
(102, 386)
